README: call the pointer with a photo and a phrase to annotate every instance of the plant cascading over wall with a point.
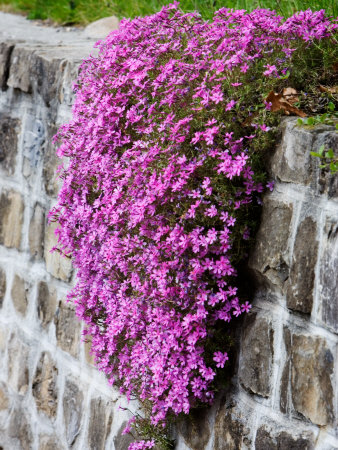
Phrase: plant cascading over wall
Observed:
(155, 202)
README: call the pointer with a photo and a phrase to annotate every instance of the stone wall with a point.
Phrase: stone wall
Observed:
(283, 394)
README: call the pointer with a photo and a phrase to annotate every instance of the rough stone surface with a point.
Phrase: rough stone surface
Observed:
(19, 294)
(67, 327)
(329, 277)
(18, 372)
(72, 411)
(292, 161)
(4, 400)
(87, 347)
(230, 431)
(99, 423)
(60, 267)
(102, 27)
(46, 303)
(20, 69)
(3, 285)
(9, 129)
(44, 385)
(50, 164)
(20, 429)
(122, 441)
(311, 387)
(195, 429)
(6, 49)
(326, 182)
(268, 256)
(265, 440)
(302, 274)
(256, 357)
(49, 443)
(285, 379)
(36, 232)
(11, 217)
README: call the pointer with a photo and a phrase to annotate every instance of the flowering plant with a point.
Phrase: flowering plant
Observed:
(155, 202)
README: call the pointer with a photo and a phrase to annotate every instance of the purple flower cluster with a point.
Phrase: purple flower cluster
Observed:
(154, 191)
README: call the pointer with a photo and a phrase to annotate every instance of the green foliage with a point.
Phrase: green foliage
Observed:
(83, 12)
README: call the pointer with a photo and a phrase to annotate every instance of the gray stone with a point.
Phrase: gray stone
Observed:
(72, 411)
(11, 217)
(291, 161)
(311, 387)
(99, 423)
(20, 429)
(87, 348)
(229, 432)
(102, 27)
(34, 136)
(302, 273)
(327, 183)
(4, 399)
(9, 130)
(195, 429)
(46, 303)
(44, 385)
(50, 164)
(68, 329)
(19, 294)
(60, 267)
(122, 441)
(255, 364)
(20, 69)
(329, 276)
(285, 379)
(49, 443)
(18, 372)
(266, 440)
(268, 258)
(3, 285)
(6, 49)
(36, 232)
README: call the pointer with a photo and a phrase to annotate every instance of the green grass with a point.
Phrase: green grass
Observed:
(85, 11)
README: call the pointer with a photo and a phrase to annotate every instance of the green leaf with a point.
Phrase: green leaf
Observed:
(336, 126)
(284, 77)
(329, 153)
(310, 121)
(300, 122)
(322, 166)
(321, 150)
(331, 106)
(333, 167)
(323, 117)
(315, 154)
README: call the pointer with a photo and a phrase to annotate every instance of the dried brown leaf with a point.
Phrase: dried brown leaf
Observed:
(278, 102)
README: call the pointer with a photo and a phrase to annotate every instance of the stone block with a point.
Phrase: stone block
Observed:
(326, 182)
(329, 276)
(68, 329)
(46, 303)
(44, 387)
(230, 432)
(6, 49)
(72, 411)
(19, 428)
(3, 284)
(19, 294)
(4, 399)
(49, 443)
(285, 379)
(122, 441)
(268, 258)
(60, 267)
(268, 440)
(102, 27)
(291, 161)
(51, 162)
(87, 348)
(311, 386)
(100, 421)
(9, 130)
(20, 69)
(34, 137)
(11, 218)
(255, 363)
(36, 232)
(195, 429)
(18, 371)
(302, 274)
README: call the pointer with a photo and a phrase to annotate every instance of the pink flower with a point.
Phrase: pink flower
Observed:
(220, 358)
